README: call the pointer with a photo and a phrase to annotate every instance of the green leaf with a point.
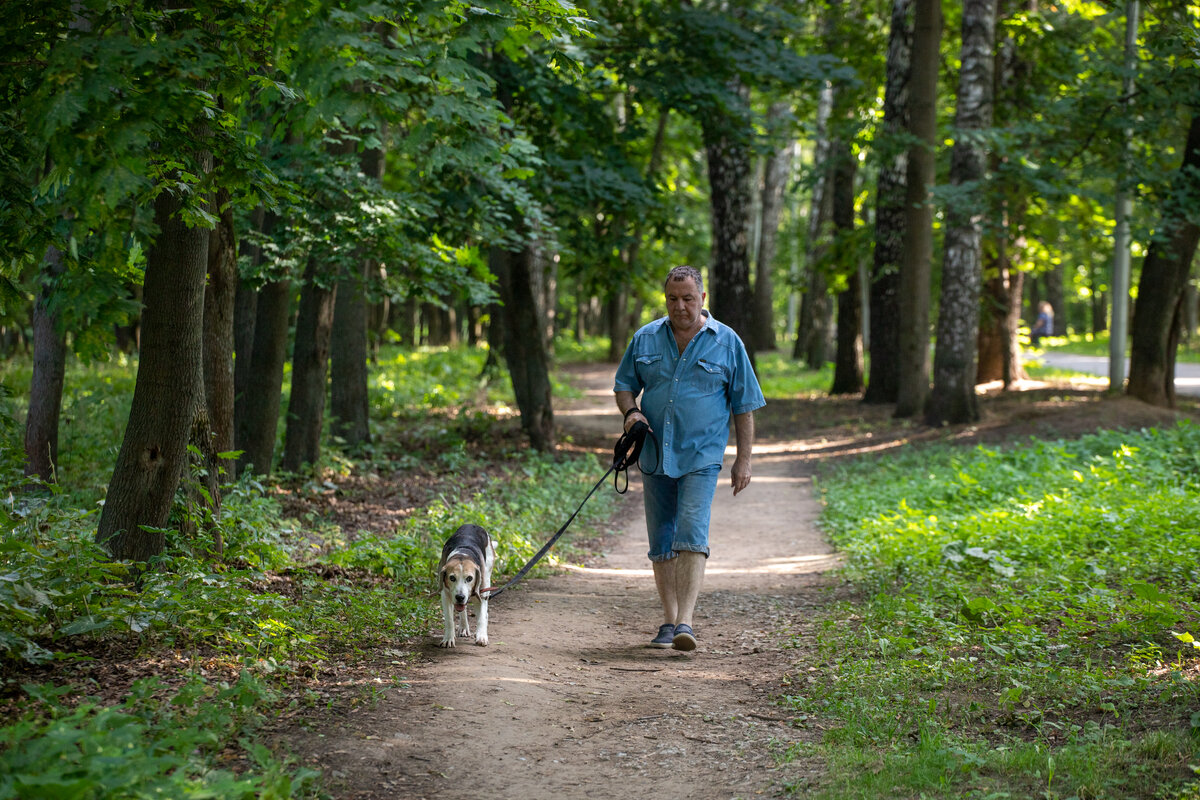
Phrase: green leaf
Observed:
(1149, 592)
(84, 625)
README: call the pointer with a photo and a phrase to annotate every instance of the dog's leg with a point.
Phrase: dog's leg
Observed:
(481, 636)
(481, 628)
(447, 622)
(464, 629)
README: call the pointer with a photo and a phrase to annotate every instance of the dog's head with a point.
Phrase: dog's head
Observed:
(460, 577)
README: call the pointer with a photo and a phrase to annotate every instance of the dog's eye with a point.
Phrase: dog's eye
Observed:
(453, 578)
(469, 578)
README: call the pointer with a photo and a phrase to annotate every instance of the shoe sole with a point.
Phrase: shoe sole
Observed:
(684, 641)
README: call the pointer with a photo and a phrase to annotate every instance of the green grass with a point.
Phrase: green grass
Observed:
(782, 376)
(1025, 625)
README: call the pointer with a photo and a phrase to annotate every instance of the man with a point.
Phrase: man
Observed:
(692, 373)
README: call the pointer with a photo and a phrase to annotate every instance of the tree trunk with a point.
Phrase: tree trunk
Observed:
(1160, 289)
(245, 317)
(349, 403)
(883, 382)
(168, 392)
(953, 399)
(916, 270)
(310, 362)
(257, 427)
(1189, 317)
(1000, 316)
(524, 351)
(729, 186)
(617, 322)
(49, 375)
(219, 293)
(349, 406)
(812, 335)
(775, 177)
(848, 362)
(405, 322)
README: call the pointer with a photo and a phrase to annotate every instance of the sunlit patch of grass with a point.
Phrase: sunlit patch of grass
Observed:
(782, 376)
(1027, 620)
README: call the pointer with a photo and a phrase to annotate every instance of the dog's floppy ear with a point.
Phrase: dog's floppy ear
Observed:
(444, 572)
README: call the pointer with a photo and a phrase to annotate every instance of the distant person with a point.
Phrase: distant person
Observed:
(693, 374)
(1044, 326)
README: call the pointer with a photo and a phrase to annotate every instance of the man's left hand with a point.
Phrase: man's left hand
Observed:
(740, 475)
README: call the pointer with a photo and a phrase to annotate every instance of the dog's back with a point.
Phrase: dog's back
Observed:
(471, 540)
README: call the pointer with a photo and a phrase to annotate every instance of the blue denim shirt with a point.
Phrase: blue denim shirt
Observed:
(688, 397)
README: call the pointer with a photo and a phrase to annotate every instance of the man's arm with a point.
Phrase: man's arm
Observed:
(625, 401)
(743, 431)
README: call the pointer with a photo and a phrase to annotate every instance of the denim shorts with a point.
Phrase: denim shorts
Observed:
(678, 511)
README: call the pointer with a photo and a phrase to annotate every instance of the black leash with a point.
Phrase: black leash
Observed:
(625, 454)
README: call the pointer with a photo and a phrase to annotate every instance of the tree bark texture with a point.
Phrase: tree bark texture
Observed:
(848, 360)
(524, 349)
(1160, 289)
(245, 316)
(953, 398)
(1000, 316)
(49, 375)
(349, 406)
(310, 373)
(883, 380)
(729, 165)
(169, 389)
(812, 334)
(617, 322)
(916, 268)
(219, 293)
(257, 427)
(775, 175)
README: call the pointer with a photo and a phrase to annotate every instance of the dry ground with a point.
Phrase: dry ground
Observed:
(569, 701)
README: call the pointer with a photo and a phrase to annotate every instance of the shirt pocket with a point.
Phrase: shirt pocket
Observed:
(709, 378)
(649, 368)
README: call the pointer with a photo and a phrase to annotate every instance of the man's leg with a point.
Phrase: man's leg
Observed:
(664, 581)
(689, 575)
(693, 511)
(659, 495)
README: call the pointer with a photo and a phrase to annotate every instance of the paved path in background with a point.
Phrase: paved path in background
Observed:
(1187, 376)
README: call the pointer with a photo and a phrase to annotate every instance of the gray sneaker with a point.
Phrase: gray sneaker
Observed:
(684, 638)
(666, 636)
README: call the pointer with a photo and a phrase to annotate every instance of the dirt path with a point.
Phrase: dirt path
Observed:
(570, 702)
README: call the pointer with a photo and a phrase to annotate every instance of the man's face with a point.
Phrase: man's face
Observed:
(684, 302)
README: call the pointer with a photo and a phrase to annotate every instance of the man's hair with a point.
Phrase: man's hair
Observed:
(683, 273)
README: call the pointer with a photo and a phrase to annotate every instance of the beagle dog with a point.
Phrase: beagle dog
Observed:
(466, 569)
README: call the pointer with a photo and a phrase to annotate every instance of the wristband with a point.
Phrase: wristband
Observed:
(630, 411)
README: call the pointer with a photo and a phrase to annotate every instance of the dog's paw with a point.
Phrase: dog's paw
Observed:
(481, 639)
(447, 642)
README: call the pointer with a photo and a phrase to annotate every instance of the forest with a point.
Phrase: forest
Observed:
(254, 253)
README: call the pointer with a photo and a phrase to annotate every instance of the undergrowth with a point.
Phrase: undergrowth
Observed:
(288, 596)
(1027, 624)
